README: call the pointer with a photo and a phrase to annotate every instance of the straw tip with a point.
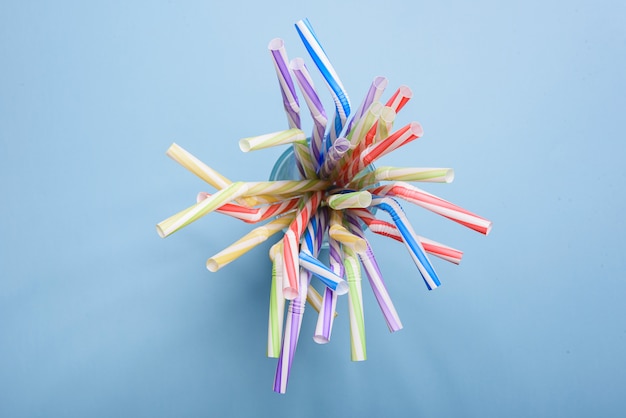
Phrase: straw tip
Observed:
(320, 339)
(360, 246)
(297, 64)
(365, 199)
(160, 231)
(342, 288)
(290, 293)
(488, 228)
(275, 44)
(406, 91)
(212, 265)
(244, 145)
(416, 129)
(449, 176)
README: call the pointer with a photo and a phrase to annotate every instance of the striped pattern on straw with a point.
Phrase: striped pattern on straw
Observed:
(287, 89)
(337, 90)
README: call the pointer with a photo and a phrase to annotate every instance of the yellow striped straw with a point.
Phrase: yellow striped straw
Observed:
(248, 242)
(339, 233)
(197, 167)
(271, 140)
(285, 188)
(195, 212)
(303, 156)
(200, 169)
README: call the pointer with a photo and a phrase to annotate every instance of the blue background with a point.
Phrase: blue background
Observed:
(101, 317)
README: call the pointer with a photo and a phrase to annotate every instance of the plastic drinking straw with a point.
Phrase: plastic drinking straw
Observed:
(435, 204)
(273, 139)
(431, 175)
(296, 311)
(364, 124)
(197, 167)
(293, 324)
(338, 232)
(389, 230)
(195, 212)
(317, 268)
(360, 199)
(315, 299)
(399, 98)
(373, 94)
(305, 82)
(254, 215)
(291, 241)
(333, 156)
(304, 160)
(399, 138)
(326, 313)
(375, 277)
(380, 129)
(337, 91)
(284, 188)
(277, 303)
(411, 242)
(355, 306)
(385, 123)
(248, 242)
(287, 89)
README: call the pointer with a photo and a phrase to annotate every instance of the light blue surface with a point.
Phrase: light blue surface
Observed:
(101, 317)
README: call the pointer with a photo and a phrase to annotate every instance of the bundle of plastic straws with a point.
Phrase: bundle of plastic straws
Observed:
(338, 196)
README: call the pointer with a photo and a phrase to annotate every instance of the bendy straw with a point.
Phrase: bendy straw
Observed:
(337, 195)
(416, 250)
(435, 204)
(318, 114)
(287, 89)
(338, 92)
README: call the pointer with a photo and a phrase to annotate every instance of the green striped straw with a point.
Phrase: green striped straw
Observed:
(285, 187)
(431, 175)
(360, 199)
(277, 303)
(355, 306)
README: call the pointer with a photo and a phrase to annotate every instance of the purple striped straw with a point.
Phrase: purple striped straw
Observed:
(305, 82)
(373, 94)
(287, 89)
(375, 277)
(295, 312)
(333, 156)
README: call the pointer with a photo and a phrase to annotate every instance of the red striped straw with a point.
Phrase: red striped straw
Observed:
(401, 137)
(389, 230)
(400, 98)
(291, 242)
(254, 215)
(435, 204)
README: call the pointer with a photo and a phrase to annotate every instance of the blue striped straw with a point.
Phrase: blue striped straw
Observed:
(317, 268)
(393, 208)
(338, 92)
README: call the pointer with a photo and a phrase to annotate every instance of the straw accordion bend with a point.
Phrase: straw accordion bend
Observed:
(333, 201)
